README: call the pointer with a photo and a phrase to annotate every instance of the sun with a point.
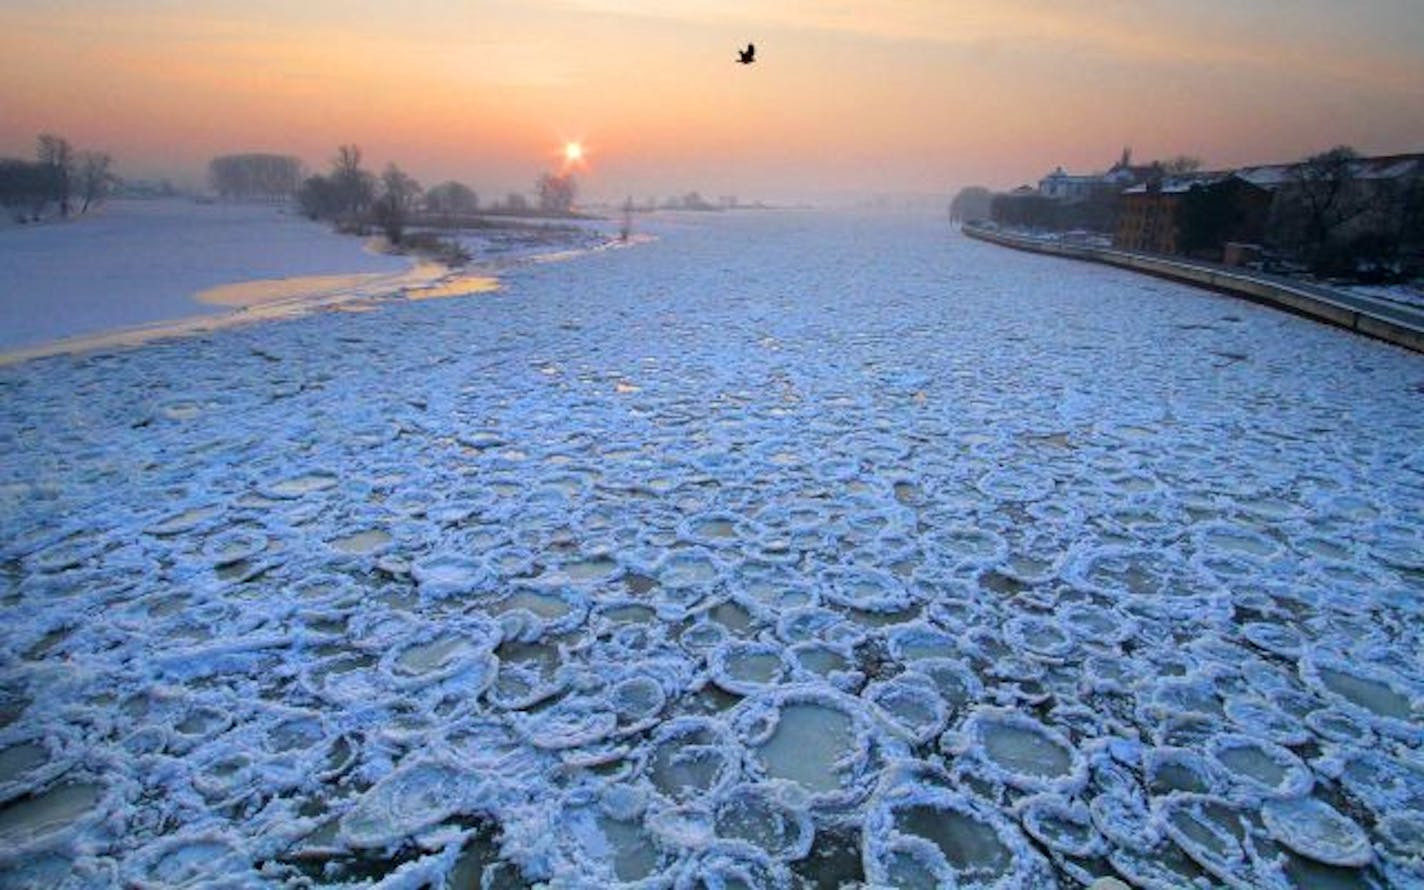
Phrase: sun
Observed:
(572, 155)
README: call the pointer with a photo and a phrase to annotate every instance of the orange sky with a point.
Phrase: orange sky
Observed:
(848, 97)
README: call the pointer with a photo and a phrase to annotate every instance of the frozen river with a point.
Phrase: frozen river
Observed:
(787, 550)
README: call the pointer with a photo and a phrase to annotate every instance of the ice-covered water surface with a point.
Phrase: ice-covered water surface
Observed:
(788, 549)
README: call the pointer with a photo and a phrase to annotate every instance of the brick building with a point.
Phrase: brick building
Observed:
(1197, 214)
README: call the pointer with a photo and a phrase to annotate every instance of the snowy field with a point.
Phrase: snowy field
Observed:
(139, 262)
(788, 550)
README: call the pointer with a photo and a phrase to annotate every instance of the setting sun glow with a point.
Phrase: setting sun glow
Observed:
(834, 109)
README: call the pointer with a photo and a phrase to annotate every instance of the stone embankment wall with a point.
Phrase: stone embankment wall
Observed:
(1341, 309)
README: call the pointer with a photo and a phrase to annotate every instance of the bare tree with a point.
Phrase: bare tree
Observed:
(556, 193)
(353, 188)
(318, 199)
(450, 199)
(24, 188)
(344, 195)
(399, 194)
(95, 177)
(347, 160)
(1323, 185)
(57, 156)
(255, 175)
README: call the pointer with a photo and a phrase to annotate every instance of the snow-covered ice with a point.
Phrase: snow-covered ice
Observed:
(140, 262)
(785, 550)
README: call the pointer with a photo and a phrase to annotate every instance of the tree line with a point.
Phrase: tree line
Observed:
(72, 181)
(255, 176)
(354, 198)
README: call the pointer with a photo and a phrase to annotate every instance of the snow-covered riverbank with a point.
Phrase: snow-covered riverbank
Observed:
(137, 271)
(767, 550)
(142, 262)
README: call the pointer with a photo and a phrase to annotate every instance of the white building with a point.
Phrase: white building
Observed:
(1067, 187)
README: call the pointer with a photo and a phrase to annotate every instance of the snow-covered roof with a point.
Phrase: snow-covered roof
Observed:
(1271, 176)
(1126, 174)
(1059, 176)
(1176, 185)
(1389, 167)
(1266, 176)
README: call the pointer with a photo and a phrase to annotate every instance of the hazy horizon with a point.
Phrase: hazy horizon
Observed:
(846, 99)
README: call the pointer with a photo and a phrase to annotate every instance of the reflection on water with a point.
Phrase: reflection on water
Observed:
(317, 288)
(279, 298)
(423, 281)
(458, 286)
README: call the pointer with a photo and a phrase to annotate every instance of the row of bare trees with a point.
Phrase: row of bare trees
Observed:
(557, 192)
(255, 176)
(353, 197)
(59, 175)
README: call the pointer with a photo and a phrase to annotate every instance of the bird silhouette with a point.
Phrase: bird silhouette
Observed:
(747, 56)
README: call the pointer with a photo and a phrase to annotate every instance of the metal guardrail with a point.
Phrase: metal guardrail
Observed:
(1382, 320)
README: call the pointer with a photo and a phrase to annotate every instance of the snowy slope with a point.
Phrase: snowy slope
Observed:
(786, 548)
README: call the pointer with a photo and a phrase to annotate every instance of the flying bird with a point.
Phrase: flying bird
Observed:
(747, 56)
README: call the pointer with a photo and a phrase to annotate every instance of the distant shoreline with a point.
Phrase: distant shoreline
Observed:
(284, 297)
